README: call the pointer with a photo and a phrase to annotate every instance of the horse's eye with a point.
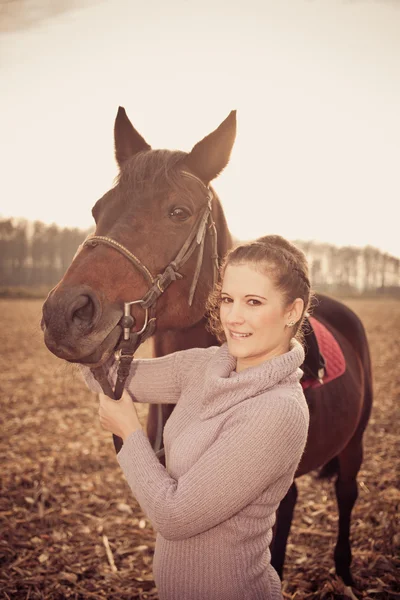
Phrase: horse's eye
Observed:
(179, 213)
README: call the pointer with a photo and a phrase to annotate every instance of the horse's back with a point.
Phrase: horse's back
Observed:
(343, 321)
(340, 408)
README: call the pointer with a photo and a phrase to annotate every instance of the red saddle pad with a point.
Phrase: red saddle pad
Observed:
(335, 364)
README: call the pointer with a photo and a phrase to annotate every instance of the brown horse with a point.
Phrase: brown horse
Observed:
(154, 231)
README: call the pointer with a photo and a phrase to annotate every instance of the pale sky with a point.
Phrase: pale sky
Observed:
(316, 84)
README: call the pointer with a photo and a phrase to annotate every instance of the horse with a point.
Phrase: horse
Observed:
(160, 232)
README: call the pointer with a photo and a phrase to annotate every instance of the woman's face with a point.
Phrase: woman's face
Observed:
(253, 315)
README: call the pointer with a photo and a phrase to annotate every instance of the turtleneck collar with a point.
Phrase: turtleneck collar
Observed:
(224, 388)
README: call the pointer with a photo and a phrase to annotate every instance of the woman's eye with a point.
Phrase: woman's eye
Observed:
(179, 214)
(225, 300)
(254, 302)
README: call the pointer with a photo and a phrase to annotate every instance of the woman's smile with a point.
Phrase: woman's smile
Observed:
(235, 335)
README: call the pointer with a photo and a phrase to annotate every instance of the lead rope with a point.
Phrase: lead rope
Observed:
(198, 267)
(128, 348)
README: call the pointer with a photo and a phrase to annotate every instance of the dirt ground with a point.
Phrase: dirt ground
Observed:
(70, 527)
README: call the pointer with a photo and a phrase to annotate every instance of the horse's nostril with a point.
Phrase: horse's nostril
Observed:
(83, 310)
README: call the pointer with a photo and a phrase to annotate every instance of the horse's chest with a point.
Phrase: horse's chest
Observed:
(187, 438)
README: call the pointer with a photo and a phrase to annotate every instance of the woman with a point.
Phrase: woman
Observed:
(235, 437)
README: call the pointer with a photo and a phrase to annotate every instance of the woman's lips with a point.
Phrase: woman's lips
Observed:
(239, 336)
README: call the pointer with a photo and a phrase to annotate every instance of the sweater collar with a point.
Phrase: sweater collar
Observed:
(224, 388)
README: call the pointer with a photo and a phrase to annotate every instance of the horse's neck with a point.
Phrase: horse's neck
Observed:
(193, 337)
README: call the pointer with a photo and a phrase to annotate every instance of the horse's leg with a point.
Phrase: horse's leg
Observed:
(282, 529)
(157, 416)
(350, 460)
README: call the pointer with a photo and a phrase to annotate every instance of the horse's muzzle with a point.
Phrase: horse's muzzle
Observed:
(77, 327)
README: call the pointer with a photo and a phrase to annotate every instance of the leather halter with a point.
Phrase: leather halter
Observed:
(133, 339)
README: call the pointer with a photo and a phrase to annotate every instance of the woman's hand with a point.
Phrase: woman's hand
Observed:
(118, 416)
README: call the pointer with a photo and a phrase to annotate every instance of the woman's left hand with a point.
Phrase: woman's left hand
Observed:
(118, 416)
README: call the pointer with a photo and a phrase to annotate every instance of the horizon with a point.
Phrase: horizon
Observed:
(315, 242)
(316, 86)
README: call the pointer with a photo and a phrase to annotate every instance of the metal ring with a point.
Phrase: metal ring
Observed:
(146, 318)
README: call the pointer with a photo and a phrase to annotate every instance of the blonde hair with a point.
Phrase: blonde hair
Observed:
(282, 261)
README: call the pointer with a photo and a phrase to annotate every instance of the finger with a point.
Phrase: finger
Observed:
(109, 403)
(105, 402)
(103, 412)
(126, 396)
(103, 422)
(118, 401)
(103, 398)
(123, 399)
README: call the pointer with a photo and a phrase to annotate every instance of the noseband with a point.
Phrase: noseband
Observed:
(131, 340)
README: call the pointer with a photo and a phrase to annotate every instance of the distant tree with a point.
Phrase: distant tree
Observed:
(317, 275)
(396, 272)
(14, 251)
(347, 258)
(370, 256)
(20, 252)
(70, 239)
(389, 272)
(335, 265)
(6, 235)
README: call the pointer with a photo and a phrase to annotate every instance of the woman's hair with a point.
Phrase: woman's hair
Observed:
(279, 259)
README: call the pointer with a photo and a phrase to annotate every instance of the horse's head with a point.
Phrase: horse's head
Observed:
(142, 224)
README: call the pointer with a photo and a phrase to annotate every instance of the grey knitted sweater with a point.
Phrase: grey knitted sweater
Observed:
(232, 444)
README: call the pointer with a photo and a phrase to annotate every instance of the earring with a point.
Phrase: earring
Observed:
(290, 324)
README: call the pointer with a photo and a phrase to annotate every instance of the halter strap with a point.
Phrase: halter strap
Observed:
(93, 240)
(132, 340)
(191, 176)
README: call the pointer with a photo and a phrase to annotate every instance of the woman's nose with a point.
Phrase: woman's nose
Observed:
(235, 315)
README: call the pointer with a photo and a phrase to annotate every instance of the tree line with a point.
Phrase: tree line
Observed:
(349, 269)
(36, 254)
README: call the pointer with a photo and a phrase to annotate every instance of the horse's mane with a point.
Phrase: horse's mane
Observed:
(155, 169)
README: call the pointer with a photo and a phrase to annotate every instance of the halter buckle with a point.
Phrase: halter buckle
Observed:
(127, 314)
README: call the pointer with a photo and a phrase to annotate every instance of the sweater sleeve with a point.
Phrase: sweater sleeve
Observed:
(153, 380)
(251, 453)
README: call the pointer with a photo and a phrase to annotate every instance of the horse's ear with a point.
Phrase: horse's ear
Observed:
(127, 140)
(210, 156)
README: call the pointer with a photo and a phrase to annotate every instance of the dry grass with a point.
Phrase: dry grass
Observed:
(71, 529)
